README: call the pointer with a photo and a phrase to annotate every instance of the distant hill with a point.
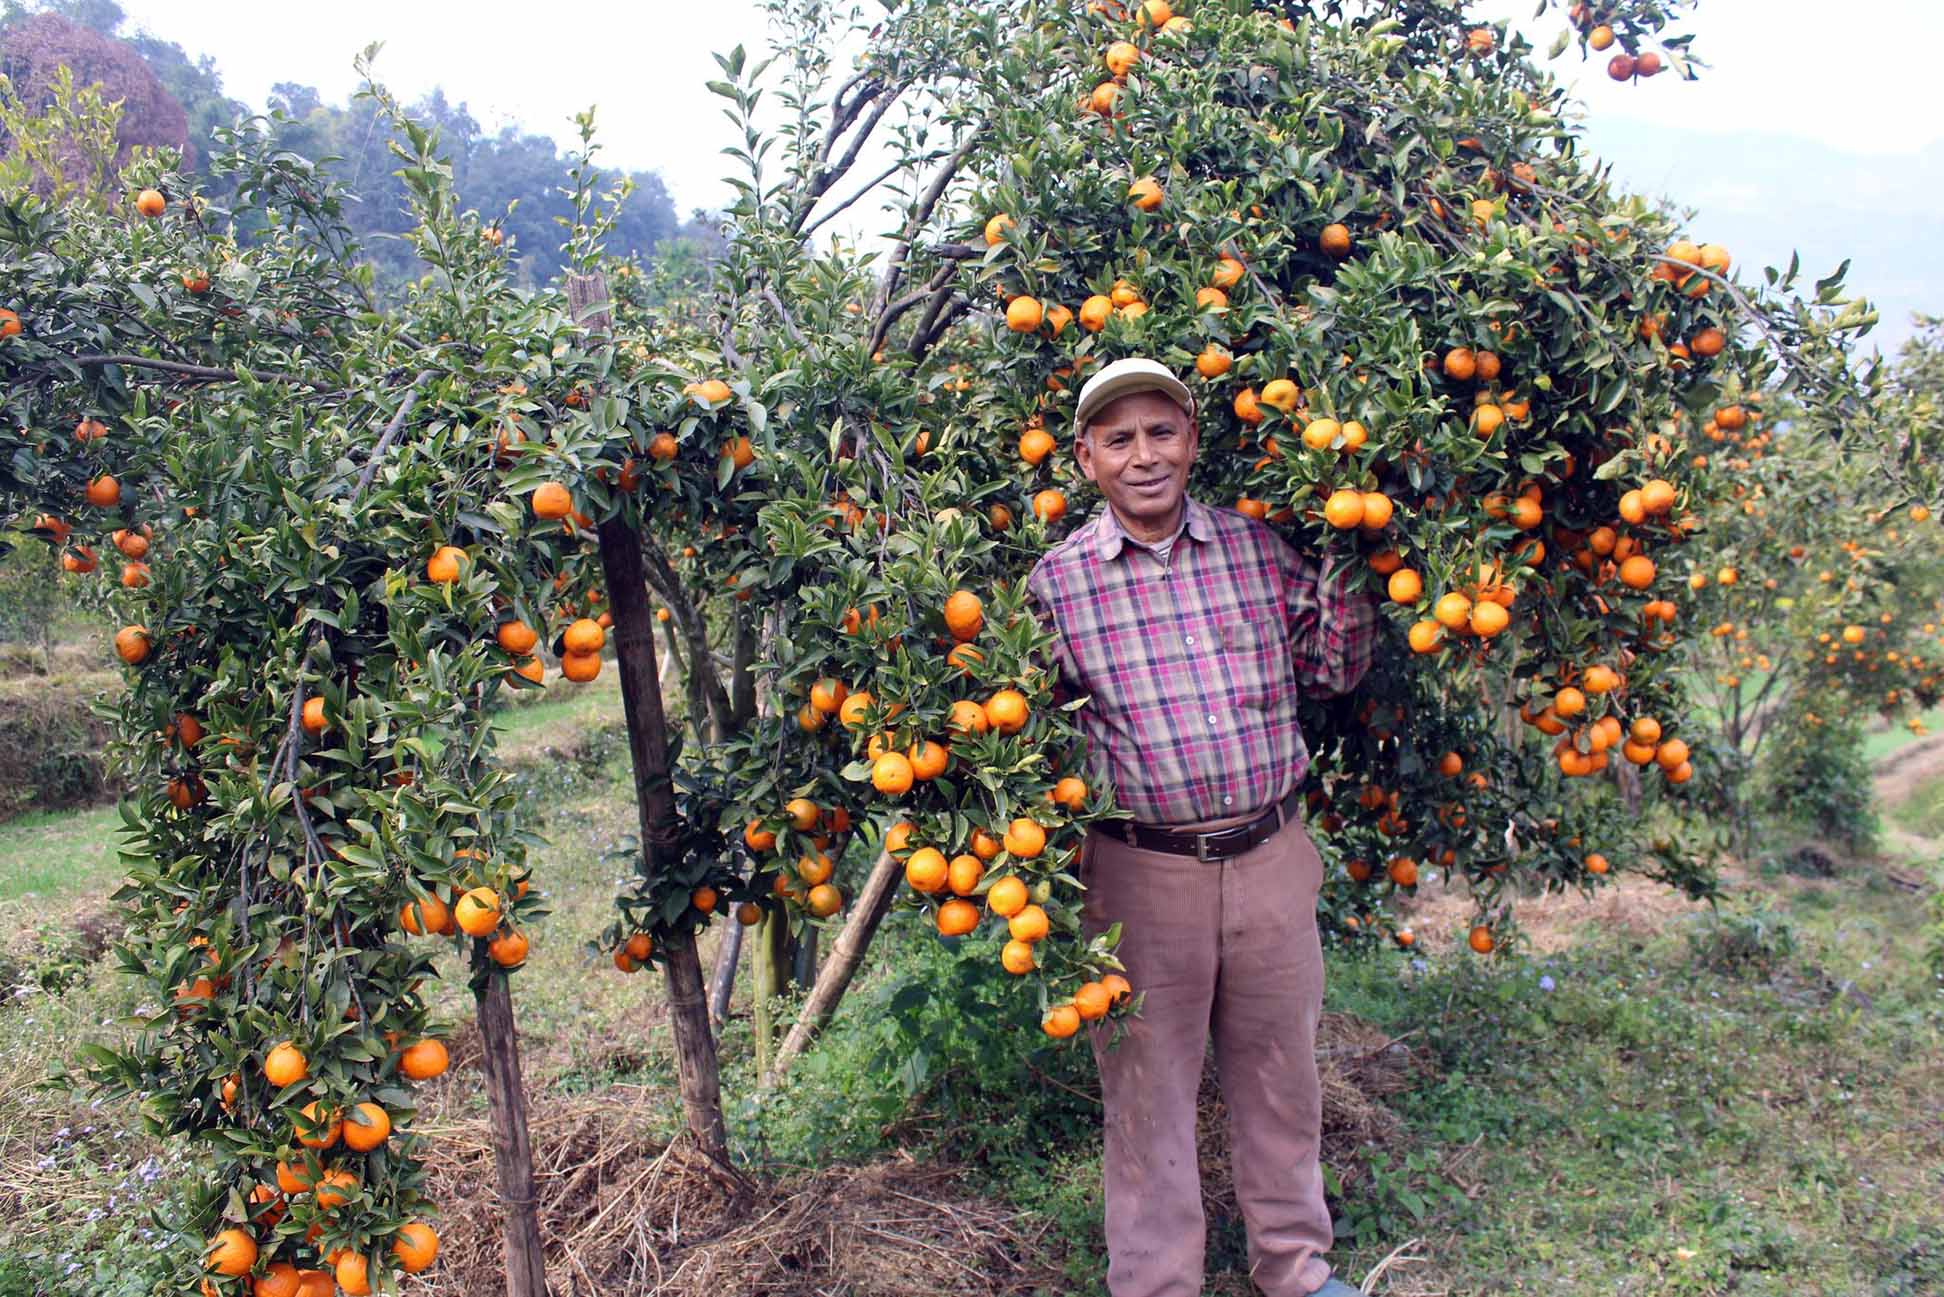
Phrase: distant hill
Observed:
(1882, 211)
(172, 99)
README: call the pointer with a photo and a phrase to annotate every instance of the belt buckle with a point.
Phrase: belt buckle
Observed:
(1201, 847)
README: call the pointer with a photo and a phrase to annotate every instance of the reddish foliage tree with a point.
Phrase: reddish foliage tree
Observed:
(33, 51)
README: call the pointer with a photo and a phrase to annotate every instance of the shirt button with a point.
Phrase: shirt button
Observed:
(1191, 639)
(1211, 720)
(1228, 801)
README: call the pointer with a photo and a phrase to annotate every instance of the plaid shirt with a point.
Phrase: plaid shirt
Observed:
(1194, 668)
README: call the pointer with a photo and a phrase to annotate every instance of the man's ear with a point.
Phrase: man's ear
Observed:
(1083, 453)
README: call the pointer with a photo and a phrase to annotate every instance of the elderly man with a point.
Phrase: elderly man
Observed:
(1195, 631)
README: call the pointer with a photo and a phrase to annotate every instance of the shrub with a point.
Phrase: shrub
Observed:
(1818, 780)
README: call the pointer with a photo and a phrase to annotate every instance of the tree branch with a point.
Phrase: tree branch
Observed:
(391, 432)
(195, 373)
(920, 213)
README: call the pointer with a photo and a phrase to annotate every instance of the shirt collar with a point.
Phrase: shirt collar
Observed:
(1113, 537)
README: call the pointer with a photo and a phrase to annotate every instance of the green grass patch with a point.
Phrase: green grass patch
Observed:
(1922, 812)
(59, 855)
(1881, 744)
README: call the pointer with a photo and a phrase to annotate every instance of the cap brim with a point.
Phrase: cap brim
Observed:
(1116, 386)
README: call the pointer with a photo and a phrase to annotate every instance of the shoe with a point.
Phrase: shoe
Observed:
(1335, 1287)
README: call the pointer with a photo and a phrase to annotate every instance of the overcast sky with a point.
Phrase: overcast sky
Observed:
(1816, 126)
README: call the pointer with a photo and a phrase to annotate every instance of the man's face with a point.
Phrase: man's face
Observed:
(1138, 450)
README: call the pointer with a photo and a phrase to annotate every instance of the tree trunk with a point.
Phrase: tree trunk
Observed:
(723, 984)
(641, 700)
(526, 1267)
(772, 957)
(873, 903)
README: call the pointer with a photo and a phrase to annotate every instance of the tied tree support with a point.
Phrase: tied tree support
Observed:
(873, 903)
(641, 699)
(526, 1271)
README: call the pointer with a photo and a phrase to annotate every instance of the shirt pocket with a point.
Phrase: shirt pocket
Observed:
(1255, 654)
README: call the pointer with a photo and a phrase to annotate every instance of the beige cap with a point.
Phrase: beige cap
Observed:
(1125, 377)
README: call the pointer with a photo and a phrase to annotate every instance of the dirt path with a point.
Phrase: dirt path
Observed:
(1898, 776)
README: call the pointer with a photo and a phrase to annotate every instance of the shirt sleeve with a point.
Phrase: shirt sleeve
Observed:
(1332, 625)
(1039, 600)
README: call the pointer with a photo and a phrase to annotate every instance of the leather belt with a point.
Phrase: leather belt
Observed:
(1219, 844)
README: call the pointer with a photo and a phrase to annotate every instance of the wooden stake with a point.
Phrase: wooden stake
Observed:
(723, 983)
(873, 903)
(641, 701)
(526, 1264)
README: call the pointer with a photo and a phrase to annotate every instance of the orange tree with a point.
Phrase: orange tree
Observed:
(333, 534)
(1429, 340)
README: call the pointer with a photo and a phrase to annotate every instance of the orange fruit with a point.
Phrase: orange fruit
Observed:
(367, 1126)
(427, 916)
(1007, 896)
(1025, 839)
(317, 1127)
(758, 838)
(984, 845)
(1281, 394)
(815, 869)
(749, 914)
(957, 917)
(928, 759)
(964, 873)
(280, 1279)
(1426, 636)
(1024, 314)
(1029, 924)
(1637, 572)
(285, 1064)
(232, 1252)
(1451, 764)
(516, 636)
(1214, 361)
(531, 669)
(1118, 987)
(852, 709)
(926, 871)
(1671, 754)
(1460, 364)
(824, 900)
(477, 912)
(353, 1274)
(135, 575)
(803, 813)
(151, 204)
(132, 644)
(1453, 611)
(1344, 509)
(967, 718)
(1645, 729)
(1061, 1021)
(995, 229)
(446, 565)
(1017, 958)
(584, 636)
(1069, 792)
(1145, 193)
(704, 899)
(104, 491)
(1007, 711)
(1228, 273)
(1335, 240)
(1596, 863)
(1092, 1001)
(1050, 505)
(551, 501)
(964, 615)
(423, 1059)
(416, 1246)
(1488, 618)
(1098, 309)
(827, 695)
(1404, 586)
(508, 949)
(891, 774)
(1481, 939)
(1377, 510)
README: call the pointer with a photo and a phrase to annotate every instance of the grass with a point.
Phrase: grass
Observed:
(1737, 1103)
(1922, 813)
(58, 856)
(1882, 743)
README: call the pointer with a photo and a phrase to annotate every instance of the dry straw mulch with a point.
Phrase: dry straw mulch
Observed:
(624, 1213)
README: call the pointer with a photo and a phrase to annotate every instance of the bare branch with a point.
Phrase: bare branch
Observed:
(920, 213)
(880, 178)
(938, 287)
(195, 373)
(391, 432)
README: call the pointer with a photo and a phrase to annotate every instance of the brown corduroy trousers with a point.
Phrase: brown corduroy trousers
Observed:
(1230, 947)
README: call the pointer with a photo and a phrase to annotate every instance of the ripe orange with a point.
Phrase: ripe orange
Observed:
(1092, 1001)
(551, 501)
(416, 1246)
(9, 323)
(891, 774)
(1057, 319)
(957, 917)
(427, 916)
(1246, 407)
(132, 644)
(1568, 702)
(516, 636)
(663, 447)
(478, 912)
(964, 615)
(1488, 618)
(827, 695)
(1321, 434)
(1344, 509)
(1451, 764)
(317, 1126)
(1481, 939)
(1028, 925)
(232, 1252)
(704, 899)
(279, 1280)
(135, 575)
(984, 845)
(1671, 754)
(508, 949)
(104, 491)
(1453, 611)
(1118, 987)
(531, 669)
(1007, 711)
(1426, 635)
(852, 709)
(824, 900)
(1017, 958)
(1104, 97)
(926, 870)
(1214, 361)
(803, 813)
(580, 667)
(964, 873)
(285, 1064)
(1596, 863)
(353, 1274)
(423, 1060)
(366, 1127)
(1024, 838)
(1637, 572)
(1050, 505)
(584, 636)
(1403, 871)
(1007, 896)
(1377, 510)
(151, 204)
(1228, 273)
(1460, 364)
(1061, 1021)
(1069, 792)
(928, 759)
(1098, 309)
(1335, 240)
(1281, 394)
(1024, 314)
(995, 229)
(758, 838)
(1145, 193)
(749, 914)
(967, 718)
